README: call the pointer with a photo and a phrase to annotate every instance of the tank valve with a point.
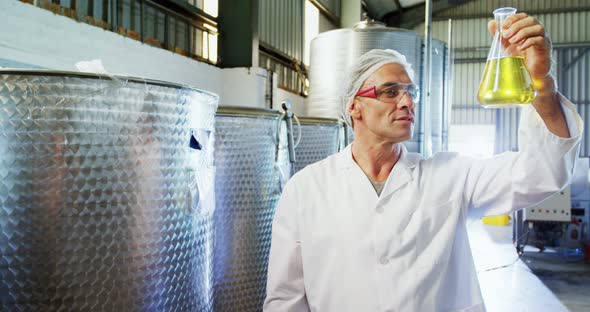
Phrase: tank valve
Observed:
(286, 105)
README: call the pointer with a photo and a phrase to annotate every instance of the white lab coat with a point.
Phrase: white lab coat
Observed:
(337, 246)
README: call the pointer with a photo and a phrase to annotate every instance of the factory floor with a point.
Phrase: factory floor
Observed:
(536, 282)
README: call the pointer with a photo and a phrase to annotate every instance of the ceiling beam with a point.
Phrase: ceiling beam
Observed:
(335, 19)
(364, 6)
(413, 16)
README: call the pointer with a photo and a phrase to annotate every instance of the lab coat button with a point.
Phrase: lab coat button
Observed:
(379, 209)
(384, 260)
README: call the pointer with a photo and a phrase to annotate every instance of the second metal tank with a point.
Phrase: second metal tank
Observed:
(320, 138)
(252, 163)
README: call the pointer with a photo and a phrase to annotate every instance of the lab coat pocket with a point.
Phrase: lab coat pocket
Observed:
(432, 252)
(436, 234)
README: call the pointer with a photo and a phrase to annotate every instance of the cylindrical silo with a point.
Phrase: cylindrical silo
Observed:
(320, 138)
(332, 54)
(251, 160)
(102, 205)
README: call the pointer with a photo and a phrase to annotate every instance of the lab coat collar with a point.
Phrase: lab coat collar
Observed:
(407, 160)
(400, 175)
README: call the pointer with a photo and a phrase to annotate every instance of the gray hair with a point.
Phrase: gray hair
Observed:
(366, 65)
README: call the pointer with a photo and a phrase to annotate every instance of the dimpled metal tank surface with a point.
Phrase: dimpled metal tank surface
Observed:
(102, 203)
(251, 161)
(320, 138)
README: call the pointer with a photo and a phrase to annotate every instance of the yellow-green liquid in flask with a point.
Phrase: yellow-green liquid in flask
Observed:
(505, 82)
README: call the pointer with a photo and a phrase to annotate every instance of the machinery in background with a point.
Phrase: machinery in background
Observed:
(554, 209)
(580, 202)
(578, 234)
(559, 222)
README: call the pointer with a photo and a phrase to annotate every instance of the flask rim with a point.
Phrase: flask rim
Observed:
(504, 11)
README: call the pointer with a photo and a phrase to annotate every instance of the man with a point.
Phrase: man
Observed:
(340, 243)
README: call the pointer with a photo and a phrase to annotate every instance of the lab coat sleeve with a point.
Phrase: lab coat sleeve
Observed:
(285, 289)
(543, 165)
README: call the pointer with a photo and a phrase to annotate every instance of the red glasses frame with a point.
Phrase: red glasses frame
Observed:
(370, 92)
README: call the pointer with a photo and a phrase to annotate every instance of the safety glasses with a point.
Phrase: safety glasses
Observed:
(392, 93)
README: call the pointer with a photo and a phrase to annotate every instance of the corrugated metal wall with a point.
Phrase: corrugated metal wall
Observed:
(467, 68)
(465, 109)
(280, 26)
(481, 7)
(471, 42)
(569, 29)
(506, 130)
(573, 79)
(471, 38)
(574, 82)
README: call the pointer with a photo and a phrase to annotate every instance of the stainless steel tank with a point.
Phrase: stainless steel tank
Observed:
(320, 138)
(332, 54)
(251, 160)
(101, 196)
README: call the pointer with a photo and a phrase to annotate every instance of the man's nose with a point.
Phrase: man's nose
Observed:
(405, 102)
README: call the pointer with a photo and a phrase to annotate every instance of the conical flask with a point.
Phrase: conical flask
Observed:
(506, 81)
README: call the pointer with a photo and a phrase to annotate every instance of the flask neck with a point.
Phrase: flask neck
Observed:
(499, 21)
(502, 14)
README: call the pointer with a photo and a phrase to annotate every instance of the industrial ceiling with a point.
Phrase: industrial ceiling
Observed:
(405, 13)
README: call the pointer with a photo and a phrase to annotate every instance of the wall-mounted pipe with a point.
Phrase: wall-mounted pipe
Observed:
(426, 146)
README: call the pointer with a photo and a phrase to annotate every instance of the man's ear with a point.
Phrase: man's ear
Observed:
(355, 109)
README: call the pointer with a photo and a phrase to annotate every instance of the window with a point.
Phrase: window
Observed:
(150, 23)
(208, 6)
(208, 39)
(154, 26)
(211, 7)
(210, 44)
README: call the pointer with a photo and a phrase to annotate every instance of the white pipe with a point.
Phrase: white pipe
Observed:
(427, 120)
(449, 83)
